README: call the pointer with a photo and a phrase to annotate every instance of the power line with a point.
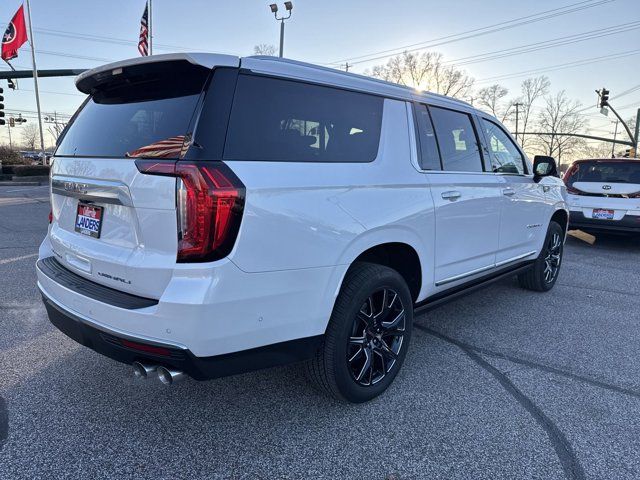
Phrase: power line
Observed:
(560, 66)
(505, 25)
(532, 47)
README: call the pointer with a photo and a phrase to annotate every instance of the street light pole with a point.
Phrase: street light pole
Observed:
(274, 9)
(613, 145)
(281, 37)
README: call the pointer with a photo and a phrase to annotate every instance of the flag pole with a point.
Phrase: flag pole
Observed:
(35, 82)
(150, 29)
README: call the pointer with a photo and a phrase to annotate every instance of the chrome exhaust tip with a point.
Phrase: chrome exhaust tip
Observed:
(168, 375)
(142, 370)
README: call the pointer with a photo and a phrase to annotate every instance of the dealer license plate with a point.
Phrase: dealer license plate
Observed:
(89, 219)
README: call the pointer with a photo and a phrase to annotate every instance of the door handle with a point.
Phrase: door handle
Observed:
(451, 195)
(508, 191)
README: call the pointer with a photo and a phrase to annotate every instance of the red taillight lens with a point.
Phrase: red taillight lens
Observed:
(50, 216)
(210, 202)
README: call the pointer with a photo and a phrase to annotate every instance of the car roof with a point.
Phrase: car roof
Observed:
(329, 76)
(285, 68)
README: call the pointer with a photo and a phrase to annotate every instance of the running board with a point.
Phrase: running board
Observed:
(466, 288)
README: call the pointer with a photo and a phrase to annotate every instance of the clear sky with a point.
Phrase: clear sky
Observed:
(84, 34)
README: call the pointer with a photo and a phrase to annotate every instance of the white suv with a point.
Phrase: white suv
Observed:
(213, 215)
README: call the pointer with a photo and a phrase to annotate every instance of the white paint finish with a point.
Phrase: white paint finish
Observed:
(218, 310)
(608, 188)
(525, 216)
(136, 251)
(303, 225)
(467, 227)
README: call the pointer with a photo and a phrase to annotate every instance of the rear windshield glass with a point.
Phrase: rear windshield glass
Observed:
(148, 118)
(603, 171)
(281, 120)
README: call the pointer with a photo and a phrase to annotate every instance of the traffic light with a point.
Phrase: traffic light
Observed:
(604, 97)
(2, 122)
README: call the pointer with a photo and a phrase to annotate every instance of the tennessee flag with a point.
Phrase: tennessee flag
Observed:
(14, 36)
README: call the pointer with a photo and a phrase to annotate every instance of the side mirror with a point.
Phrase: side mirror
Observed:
(544, 166)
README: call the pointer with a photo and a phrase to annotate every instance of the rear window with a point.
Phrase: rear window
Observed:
(136, 117)
(604, 171)
(281, 120)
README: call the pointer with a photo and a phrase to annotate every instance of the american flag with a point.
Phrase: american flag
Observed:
(174, 147)
(143, 41)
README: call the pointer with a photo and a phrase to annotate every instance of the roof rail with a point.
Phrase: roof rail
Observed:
(354, 75)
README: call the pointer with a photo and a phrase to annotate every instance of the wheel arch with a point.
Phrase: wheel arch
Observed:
(400, 249)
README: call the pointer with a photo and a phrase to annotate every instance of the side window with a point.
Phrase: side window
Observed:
(457, 140)
(288, 121)
(505, 156)
(429, 154)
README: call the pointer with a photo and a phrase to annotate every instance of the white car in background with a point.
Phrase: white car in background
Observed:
(604, 195)
(213, 215)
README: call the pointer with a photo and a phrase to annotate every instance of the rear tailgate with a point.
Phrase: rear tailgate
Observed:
(111, 223)
(136, 248)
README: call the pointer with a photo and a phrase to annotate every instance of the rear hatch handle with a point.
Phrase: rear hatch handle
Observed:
(101, 191)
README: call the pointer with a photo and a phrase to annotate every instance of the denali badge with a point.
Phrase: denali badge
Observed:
(75, 187)
(606, 187)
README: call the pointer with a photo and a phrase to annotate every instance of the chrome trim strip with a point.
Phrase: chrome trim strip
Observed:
(103, 328)
(519, 257)
(463, 275)
(484, 269)
(103, 191)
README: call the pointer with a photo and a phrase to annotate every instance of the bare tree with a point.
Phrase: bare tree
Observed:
(55, 129)
(265, 49)
(558, 117)
(532, 90)
(425, 71)
(491, 100)
(30, 136)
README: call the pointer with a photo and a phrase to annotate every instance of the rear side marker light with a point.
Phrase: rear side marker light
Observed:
(209, 202)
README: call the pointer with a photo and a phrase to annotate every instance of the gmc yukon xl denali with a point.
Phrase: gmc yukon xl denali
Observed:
(213, 215)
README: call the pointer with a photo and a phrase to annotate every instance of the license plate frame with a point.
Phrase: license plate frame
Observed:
(87, 215)
(603, 214)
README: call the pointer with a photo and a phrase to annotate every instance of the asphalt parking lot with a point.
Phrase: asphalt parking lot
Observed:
(503, 383)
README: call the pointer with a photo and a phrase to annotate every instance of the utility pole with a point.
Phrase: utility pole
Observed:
(637, 133)
(517, 105)
(346, 66)
(274, 9)
(613, 145)
(35, 84)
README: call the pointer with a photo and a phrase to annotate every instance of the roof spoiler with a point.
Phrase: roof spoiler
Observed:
(87, 81)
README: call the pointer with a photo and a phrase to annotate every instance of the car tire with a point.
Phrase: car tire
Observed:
(367, 337)
(544, 273)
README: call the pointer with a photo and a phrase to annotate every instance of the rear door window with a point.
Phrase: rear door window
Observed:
(457, 140)
(282, 120)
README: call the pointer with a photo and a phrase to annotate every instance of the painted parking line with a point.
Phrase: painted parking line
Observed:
(16, 259)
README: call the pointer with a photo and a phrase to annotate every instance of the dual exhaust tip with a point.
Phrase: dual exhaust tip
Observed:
(168, 376)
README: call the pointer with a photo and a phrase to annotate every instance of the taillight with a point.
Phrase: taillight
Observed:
(567, 177)
(209, 202)
(50, 215)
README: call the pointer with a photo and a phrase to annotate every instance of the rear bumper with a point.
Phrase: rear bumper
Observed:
(127, 349)
(628, 223)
